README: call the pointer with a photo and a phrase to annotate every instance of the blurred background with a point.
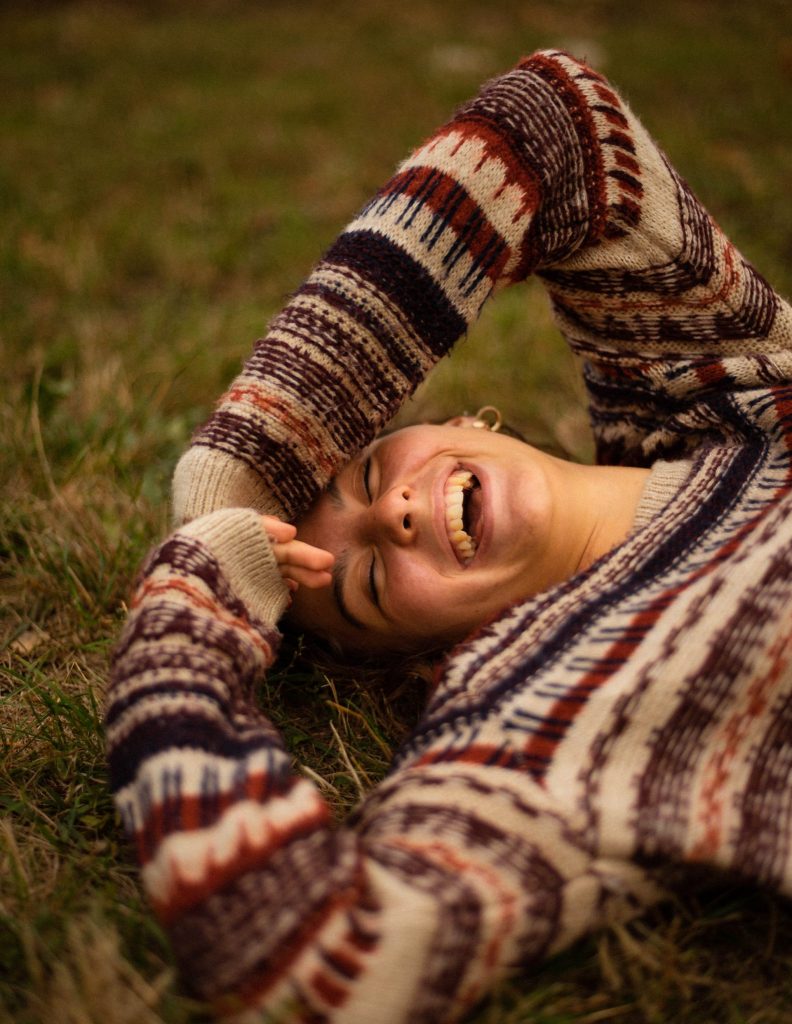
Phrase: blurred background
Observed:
(169, 172)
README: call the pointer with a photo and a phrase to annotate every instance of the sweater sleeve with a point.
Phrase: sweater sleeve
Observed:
(449, 874)
(545, 171)
(675, 329)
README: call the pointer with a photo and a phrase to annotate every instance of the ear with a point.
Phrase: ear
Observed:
(462, 421)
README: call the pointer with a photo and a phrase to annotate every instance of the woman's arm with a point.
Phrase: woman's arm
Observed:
(451, 873)
(674, 326)
(528, 173)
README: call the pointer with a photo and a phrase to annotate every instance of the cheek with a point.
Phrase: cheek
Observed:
(427, 604)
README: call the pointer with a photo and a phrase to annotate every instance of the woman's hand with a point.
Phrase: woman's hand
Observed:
(299, 563)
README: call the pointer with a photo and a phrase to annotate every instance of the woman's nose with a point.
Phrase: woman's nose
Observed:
(392, 516)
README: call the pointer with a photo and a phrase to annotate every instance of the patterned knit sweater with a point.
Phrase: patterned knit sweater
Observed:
(637, 715)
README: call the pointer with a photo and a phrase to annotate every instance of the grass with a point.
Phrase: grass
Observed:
(168, 173)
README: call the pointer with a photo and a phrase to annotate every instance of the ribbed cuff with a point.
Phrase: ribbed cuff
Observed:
(238, 540)
(663, 483)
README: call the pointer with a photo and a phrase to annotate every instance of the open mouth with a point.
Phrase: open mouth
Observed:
(462, 497)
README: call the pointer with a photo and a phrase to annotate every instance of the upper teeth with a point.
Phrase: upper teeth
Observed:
(456, 485)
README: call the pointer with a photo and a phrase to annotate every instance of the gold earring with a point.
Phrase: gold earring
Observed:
(494, 421)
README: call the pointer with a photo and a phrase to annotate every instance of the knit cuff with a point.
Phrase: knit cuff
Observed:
(237, 539)
(663, 483)
(206, 480)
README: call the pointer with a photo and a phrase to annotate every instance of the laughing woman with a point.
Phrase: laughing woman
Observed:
(618, 696)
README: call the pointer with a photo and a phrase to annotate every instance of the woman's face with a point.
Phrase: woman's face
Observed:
(435, 529)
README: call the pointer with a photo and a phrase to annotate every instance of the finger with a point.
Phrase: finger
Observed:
(297, 552)
(313, 579)
(277, 530)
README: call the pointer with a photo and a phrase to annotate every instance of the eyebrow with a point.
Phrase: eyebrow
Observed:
(340, 573)
(339, 578)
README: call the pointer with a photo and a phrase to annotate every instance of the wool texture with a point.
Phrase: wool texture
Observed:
(636, 717)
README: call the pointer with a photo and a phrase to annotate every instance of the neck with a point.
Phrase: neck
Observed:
(599, 509)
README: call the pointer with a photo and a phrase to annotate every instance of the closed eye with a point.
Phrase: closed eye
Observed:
(372, 581)
(366, 483)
